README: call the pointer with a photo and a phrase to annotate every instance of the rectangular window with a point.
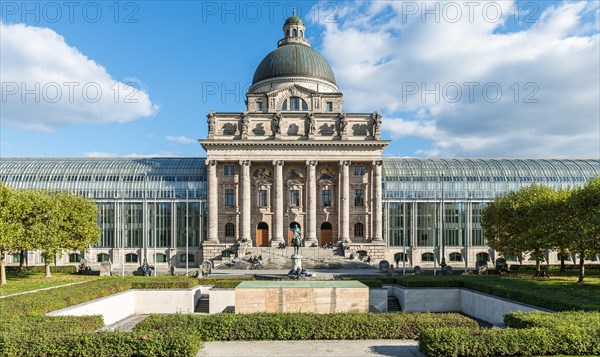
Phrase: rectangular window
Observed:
(359, 197)
(294, 103)
(359, 170)
(229, 170)
(329, 106)
(259, 106)
(326, 198)
(263, 198)
(229, 197)
(294, 198)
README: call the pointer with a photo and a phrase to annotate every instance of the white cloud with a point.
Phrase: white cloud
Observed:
(99, 154)
(47, 84)
(180, 139)
(134, 155)
(555, 62)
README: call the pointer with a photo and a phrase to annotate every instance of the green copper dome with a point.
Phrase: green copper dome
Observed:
(294, 60)
(294, 19)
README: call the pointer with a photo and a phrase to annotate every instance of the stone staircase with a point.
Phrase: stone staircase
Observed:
(274, 258)
(202, 305)
(393, 305)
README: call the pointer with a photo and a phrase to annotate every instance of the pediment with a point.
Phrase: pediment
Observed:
(293, 90)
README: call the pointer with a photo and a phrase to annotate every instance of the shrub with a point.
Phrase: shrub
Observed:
(51, 325)
(301, 326)
(510, 342)
(68, 269)
(581, 319)
(42, 302)
(223, 283)
(552, 268)
(158, 343)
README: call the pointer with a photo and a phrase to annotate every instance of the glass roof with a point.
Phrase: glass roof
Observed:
(479, 178)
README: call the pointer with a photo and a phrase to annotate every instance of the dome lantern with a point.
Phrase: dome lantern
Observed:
(293, 31)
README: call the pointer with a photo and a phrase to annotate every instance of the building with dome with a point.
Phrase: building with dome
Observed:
(293, 158)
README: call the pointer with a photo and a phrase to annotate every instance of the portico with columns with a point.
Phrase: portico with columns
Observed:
(293, 157)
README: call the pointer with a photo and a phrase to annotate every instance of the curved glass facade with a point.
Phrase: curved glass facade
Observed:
(154, 209)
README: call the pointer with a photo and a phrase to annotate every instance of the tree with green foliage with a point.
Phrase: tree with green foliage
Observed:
(585, 203)
(79, 224)
(11, 228)
(560, 222)
(498, 223)
(517, 222)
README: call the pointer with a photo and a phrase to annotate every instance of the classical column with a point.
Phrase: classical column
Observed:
(278, 204)
(345, 202)
(377, 210)
(213, 203)
(311, 229)
(245, 198)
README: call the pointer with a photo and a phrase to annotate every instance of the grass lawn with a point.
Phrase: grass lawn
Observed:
(18, 283)
(556, 293)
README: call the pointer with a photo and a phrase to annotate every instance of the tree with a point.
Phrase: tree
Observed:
(561, 215)
(79, 223)
(585, 203)
(517, 222)
(43, 225)
(11, 228)
(498, 224)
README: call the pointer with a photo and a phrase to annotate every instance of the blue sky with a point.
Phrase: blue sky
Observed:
(407, 59)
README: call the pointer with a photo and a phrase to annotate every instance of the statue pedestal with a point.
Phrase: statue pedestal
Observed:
(296, 261)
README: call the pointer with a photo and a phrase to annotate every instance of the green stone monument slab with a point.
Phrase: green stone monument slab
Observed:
(321, 297)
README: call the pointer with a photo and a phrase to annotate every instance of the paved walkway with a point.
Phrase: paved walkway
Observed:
(354, 348)
(42, 289)
(127, 324)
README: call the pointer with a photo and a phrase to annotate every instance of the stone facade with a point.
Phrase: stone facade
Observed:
(294, 158)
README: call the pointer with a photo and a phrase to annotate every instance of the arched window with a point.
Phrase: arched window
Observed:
(427, 257)
(160, 258)
(229, 230)
(102, 257)
(190, 258)
(455, 257)
(131, 258)
(287, 33)
(359, 230)
(483, 256)
(295, 33)
(295, 104)
(74, 258)
(400, 257)
(301, 33)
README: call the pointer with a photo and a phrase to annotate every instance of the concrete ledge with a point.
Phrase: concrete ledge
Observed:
(479, 305)
(121, 305)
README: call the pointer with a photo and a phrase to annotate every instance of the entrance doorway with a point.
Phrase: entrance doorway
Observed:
(291, 233)
(326, 233)
(262, 235)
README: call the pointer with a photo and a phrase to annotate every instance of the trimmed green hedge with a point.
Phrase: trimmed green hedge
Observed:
(51, 325)
(549, 294)
(552, 268)
(156, 343)
(581, 319)
(223, 283)
(300, 326)
(42, 302)
(69, 269)
(537, 341)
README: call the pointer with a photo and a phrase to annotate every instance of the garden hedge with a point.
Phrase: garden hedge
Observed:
(302, 326)
(42, 302)
(69, 269)
(519, 319)
(115, 343)
(223, 283)
(536, 341)
(553, 268)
